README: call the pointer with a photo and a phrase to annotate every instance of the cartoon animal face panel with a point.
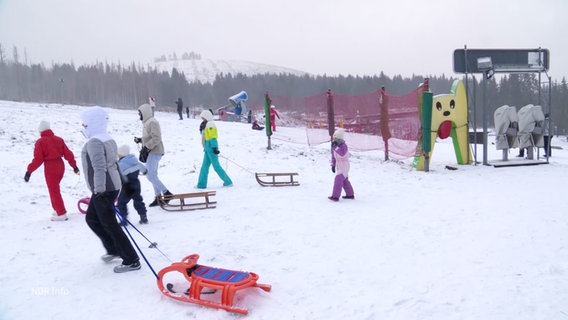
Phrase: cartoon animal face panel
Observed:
(449, 118)
(450, 110)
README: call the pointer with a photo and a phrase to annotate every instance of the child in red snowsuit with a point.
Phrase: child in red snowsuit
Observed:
(48, 150)
(273, 115)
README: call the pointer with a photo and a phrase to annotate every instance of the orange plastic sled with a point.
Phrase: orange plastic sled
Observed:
(200, 277)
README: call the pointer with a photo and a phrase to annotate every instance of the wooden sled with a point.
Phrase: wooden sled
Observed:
(271, 179)
(187, 201)
(200, 277)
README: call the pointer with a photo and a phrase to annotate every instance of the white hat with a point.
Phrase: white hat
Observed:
(338, 134)
(43, 125)
(123, 150)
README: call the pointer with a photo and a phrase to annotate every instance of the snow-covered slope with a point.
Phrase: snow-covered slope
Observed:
(477, 243)
(205, 70)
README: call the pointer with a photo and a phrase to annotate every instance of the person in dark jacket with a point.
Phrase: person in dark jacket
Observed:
(99, 156)
(129, 168)
(179, 104)
(48, 150)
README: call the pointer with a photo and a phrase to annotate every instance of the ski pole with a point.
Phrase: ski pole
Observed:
(152, 244)
(139, 250)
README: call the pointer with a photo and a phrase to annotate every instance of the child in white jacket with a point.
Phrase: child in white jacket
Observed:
(340, 166)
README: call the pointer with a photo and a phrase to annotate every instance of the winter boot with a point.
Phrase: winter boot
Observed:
(166, 194)
(62, 217)
(109, 257)
(154, 203)
(143, 219)
(333, 199)
(127, 267)
(349, 197)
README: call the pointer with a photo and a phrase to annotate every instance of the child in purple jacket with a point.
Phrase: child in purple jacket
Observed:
(340, 166)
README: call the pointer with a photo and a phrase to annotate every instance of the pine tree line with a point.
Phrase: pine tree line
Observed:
(128, 86)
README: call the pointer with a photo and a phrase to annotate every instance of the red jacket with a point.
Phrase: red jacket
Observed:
(48, 148)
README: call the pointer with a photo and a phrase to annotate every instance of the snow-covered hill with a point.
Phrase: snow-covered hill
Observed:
(205, 70)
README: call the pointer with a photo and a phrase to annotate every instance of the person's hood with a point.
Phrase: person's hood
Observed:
(146, 111)
(339, 134)
(95, 122)
(207, 115)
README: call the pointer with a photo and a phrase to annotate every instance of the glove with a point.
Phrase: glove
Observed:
(333, 169)
(102, 196)
(334, 143)
(216, 151)
(137, 140)
(76, 170)
(27, 176)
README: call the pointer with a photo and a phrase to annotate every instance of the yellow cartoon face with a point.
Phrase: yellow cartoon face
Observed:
(449, 118)
(449, 110)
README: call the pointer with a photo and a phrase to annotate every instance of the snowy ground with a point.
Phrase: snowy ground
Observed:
(475, 243)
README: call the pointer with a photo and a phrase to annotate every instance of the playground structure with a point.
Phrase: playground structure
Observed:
(407, 126)
(393, 123)
(443, 116)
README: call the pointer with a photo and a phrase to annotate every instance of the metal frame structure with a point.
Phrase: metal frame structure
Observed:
(491, 61)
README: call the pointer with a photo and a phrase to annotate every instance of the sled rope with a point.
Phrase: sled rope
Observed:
(238, 165)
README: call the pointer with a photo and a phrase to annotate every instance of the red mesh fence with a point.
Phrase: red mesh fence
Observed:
(372, 121)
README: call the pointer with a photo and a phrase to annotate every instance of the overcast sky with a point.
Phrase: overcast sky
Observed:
(317, 36)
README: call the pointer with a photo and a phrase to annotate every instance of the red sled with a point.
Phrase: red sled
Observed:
(228, 282)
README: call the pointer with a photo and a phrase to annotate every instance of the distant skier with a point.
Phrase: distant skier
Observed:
(152, 102)
(179, 104)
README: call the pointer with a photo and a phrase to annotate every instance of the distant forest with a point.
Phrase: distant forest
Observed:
(128, 86)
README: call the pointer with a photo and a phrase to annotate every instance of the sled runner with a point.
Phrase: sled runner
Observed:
(228, 282)
(187, 201)
(272, 179)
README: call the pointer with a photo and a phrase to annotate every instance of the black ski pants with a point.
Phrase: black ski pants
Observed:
(102, 220)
